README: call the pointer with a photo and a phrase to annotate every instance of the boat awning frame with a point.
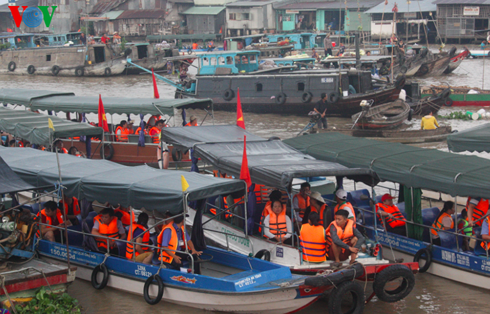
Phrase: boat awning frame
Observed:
(473, 139)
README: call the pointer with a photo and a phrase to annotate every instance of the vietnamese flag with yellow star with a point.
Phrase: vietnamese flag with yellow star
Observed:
(102, 118)
(239, 114)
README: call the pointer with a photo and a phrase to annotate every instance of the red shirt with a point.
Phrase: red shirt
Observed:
(104, 39)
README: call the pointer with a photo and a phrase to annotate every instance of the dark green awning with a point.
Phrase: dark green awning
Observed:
(457, 175)
(34, 126)
(24, 97)
(474, 139)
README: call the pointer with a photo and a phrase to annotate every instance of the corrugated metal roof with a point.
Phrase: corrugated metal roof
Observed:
(487, 2)
(200, 10)
(333, 5)
(112, 15)
(142, 14)
(415, 6)
(253, 3)
(103, 6)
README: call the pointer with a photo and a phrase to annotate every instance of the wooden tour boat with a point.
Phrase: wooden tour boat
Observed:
(386, 116)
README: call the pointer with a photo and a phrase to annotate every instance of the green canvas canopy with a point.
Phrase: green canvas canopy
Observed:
(105, 181)
(474, 139)
(430, 169)
(34, 126)
(24, 97)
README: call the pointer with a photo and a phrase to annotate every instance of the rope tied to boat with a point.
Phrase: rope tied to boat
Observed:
(7, 294)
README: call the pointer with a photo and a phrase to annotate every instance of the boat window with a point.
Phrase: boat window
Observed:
(213, 61)
(229, 60)
(221, 60)
(253, 59)
(279, 38)
(238, 60)
(258, 87)
(142, 51)
(48, 57)
(99, 54)
(205, 61)
(301, 86)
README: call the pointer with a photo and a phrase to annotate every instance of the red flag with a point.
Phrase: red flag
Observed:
(244, 172)
(10, 30)
(239, 114)
(155, 89)
(102, 118)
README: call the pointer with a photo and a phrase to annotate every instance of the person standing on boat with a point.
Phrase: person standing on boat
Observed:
(104, 39)
(343, 239)
(171, 240)
(116, 39)
(301, 200)
(312, 240)
(388, 210)
(444, 221)
(342, 203)
(50, 216)
(155, 131)
(317, 205)
(278, 226)
(328, 46)
(477, 208)
(71, 207)
(321, 109)
(429, 122)
(106, 224)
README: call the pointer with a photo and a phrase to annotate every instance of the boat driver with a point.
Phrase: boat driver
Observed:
(51, 216)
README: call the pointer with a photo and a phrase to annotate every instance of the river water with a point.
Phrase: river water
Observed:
(431, 294)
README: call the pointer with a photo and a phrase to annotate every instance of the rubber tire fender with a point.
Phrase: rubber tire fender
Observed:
(446, 93)
(107, 71)
(95, 272)
(79, 71)
(176, 154)
(388, 274)
(31, 69)
(306, 97)
(146, 289)
(228, 95)
(419, 254)
(12, 66)
(335, 298)
(55, 70)
(400, 82)
(410, 115)
(263, 254)
(281, 98)
(448, 102)
(107, 147)
(333, 97)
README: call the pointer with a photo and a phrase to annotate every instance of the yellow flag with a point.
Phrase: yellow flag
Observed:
(185, 185)
(50, 124)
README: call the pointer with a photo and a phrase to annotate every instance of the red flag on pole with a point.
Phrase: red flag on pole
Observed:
(102, 118)
(239, 114)
(155, 89)
(244, 172)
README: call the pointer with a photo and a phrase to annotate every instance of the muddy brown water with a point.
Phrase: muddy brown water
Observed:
(431, 294)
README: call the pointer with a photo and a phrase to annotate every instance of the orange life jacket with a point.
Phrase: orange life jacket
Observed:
(194, 46)
(342, 206)
(172, 244)
(313, 243)
(479, 211)
(109, 230)
(395, 212)
(123, 137)
(191, 124)
(218, 174)
(75, 204)
(302, 203)
(154, 133)
(146, 240)
(277, 223)
(439, 225)
(484, 244)
(266, 212)
(345, 234)
(49, 221)
(321, 213)
(153, 120)
(126, 218)
(145, 131)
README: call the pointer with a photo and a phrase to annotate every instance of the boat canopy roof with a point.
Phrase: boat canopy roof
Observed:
(34, 126)
(67, 102)
(473, 139)
(10, 182)
(431, 169)
(106, 181)
(270, 162)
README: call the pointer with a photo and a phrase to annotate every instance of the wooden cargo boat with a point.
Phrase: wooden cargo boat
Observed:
(456, 61)
(431, 103)
(460, 95)
(386, 116)
(435, 67)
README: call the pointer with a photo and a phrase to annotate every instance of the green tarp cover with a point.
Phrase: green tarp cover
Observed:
(106, 181)
(412, 166)
(474, 139)
(34, 126)
(26, 96)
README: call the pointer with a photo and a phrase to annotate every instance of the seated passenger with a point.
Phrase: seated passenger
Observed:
(275, 195)
(106, 224)
(125, 216)
(317, 205)
(444, 221)
(485, 234)
(171, 239)
(312, 239)
(143, 253)
(388, 211)
(145, 129)
(130, 127)
(58, 145)
(278, 226)
(122, 131)
(477, 208)
(343, 239)
(301, 201)
(51, 215)
(464, 227)
(71, 207)
(341, 199)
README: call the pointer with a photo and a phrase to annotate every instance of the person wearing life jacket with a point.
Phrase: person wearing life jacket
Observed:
(464, 228)
(58, 145)
(155, 131)
(477, 208)
(172, 242)
(317, 205)
(312, 240)
(50, 216)
(278, 226)
(145, 129)
(139, 235)
(106, 224)
(343, 239)
(391, 214)
(301, 200)
(444, 221)
(122, 131)
(130, 127)
(275, 195)
(193, 122)
(485, 234)
(126, 217)
(153, 120)
(341, 199)
(71, 207)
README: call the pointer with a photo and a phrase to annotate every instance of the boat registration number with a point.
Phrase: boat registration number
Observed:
(327, 79)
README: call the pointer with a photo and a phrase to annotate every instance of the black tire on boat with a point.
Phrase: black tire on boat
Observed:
(333, 97)
(428, 256)
(228, 95)
(108, 151)
(146, 289)
(400, 82)
(410, 115)
(100, 268)
(107, 71)
(79, 71)
(263, 254)
(281, 98)
(391, 273)
(403, 69)
(423, 70)
(446, 93)
(55, 70)
(12, 66)
(335, 298)
(448, 102)
(31, 69)
(306, 97)
(176, 154)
